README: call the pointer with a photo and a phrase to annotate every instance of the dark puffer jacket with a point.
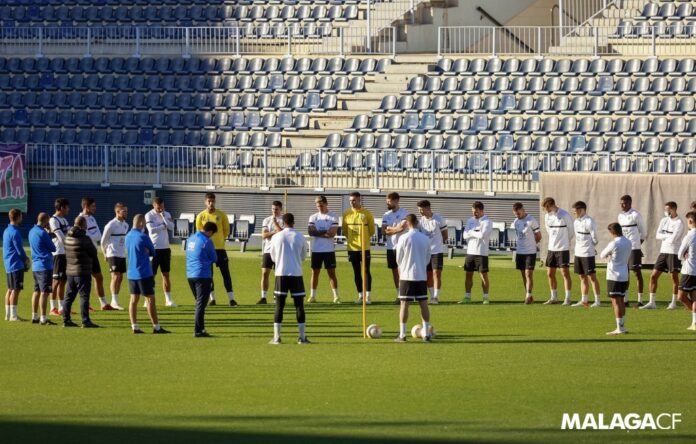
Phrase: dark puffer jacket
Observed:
(80, 252)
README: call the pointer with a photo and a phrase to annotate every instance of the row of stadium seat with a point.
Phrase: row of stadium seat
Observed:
(174, 120)
(564, 67)
(671, 10)
(506, 142)
(177, 2)
(398, 162)
(430, 123)
(540, 105)
(134, 66)
(603, 85)
(633, 30)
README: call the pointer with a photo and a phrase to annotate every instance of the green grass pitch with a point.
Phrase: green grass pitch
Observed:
(498, 373)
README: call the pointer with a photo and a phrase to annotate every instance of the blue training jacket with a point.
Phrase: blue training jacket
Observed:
(13, 254)
(200, 256)
(42, 249)
(139, 249)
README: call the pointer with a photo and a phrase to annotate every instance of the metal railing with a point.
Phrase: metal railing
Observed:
(372, 169)
(188, 41)
(627, 40)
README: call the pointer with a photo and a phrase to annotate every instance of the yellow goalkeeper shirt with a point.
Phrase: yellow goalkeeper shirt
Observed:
(351, 228)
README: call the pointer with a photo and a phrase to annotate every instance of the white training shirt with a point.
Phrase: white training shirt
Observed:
(269, 226)
(585, 236)
(393, 219)
(158, 228)
(477, 233)
(559, 226)
(413, 255)
(526, 229)
(288, 249)
(323, 222)
(59, 226)
(669, 232)
(114, 238)
(633, 227)
(688, 245)
(433, 229)
(93, 230)
(618, 251)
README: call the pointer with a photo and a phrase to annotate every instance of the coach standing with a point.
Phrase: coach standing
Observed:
(222, 226)
(42, 249)
(80, 254)
(353, 219)
(16, 263)
(200, 257)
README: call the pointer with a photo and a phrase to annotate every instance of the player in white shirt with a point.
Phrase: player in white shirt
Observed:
(559, 226)
(59, 226)
(669, 231)
(393, 225)
(477, 233)
(89, 208)
(585, 230)
(323, 226)
(618, 253)
(635, 230)
(413, 257)
(271, 225)
(434, 226)
(159, 223)
(288, 249)
(113, 244)
(687, 253)
(528, 236)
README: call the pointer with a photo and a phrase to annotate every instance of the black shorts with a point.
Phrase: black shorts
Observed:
(558, 259)
(476, 263)
(413, 290)
(326, 259)
(525, 261)
(667, 263)
(266, 261)
(144, 287)
(43, 281)
(289, 284)
(162, 260)
(584, 265)
(15, 280)
(96, 266)
(116, 264)
(687, 282)
(60, 264)
(391, 259)
(635, 260)
(617, 289)
(437, 262)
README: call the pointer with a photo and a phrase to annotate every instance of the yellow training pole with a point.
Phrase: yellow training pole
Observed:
(364, 276)
(285, 200)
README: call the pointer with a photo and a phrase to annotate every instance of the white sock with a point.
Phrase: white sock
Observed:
(230, 295)
(102, 301)
(554, 294)
(62, 303)
(360, 295)
(156, 327)
(674, 298)
(168, 297)
(264, 294)
(568, 295)
(42, 319)
(485, 296)
(640, 298)
(529, 294)
(652, 298)
(436, 293)
(34, 316)
(212, 295)
(335, 292)
(313, 293)
(402, 329)
(53, 304)
(425, 329)
(596, 297)
(301, 328)
(276, 330)
(467, 295)
(619, 324)
(13, 311)
(114, 299)
(368, 295)
(7, 311)
(585, 298)
(693, 317)
(135, 326)
(431, 290)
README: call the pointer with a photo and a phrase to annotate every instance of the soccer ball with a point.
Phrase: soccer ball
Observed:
(416, 331)
(374, 331)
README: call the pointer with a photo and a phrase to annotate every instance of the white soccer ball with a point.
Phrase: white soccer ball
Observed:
(416, 331)
(374, 331)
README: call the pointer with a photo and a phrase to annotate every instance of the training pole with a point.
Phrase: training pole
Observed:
(364, 276)
(285, 200)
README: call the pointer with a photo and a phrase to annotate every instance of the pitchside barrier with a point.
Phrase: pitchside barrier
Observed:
(601, 193)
